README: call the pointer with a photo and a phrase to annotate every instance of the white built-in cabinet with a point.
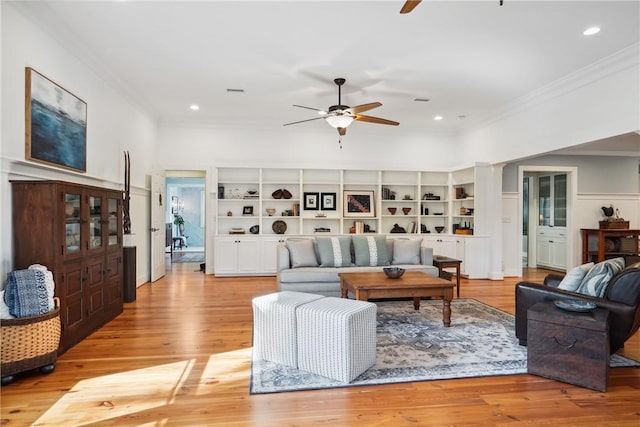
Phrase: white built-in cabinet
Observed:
(552, 248)
(246, 210)
(551, 236)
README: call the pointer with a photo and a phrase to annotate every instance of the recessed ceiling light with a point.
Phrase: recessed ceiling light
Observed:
(422, 99)
(235, 90)
(194, 107)
(591, 31)
(437, 117)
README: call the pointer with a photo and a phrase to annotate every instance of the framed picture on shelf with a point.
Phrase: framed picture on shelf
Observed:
(311, 201)
(247, 210)
(328, 201)
(56, 124)
(359, 204)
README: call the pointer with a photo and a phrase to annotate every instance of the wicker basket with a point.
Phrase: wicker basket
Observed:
(30, 342)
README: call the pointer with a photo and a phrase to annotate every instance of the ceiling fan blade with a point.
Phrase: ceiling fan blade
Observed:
(342, 131)
(364, 107)
(302, 121)
(377, 120)
(409, 5)
(308, 108)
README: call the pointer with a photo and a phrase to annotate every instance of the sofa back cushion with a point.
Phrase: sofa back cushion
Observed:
(406, 251)
(302, 253)
(595, 282)
(334, 251)
(370, 250)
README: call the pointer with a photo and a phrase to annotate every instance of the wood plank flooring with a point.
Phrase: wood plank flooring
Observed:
(180, 356)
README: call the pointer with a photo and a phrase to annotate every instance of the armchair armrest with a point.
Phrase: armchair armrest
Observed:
(282, 257)
(553, 279)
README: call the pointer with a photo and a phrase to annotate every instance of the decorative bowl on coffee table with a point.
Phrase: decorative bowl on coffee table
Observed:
(393, 272)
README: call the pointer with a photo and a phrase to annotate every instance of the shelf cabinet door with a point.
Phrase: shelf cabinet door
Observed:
(268, 254)
(235, 255)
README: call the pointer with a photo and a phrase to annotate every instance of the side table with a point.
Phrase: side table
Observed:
(443, 262)
(568, 346)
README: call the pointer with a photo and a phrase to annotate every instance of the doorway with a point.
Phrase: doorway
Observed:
(530, 223)
(185, 216)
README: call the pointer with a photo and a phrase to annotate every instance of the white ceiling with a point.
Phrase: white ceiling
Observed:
(470, 58)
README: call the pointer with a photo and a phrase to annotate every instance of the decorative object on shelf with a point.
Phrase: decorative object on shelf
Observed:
(311, 201)
(392, 210)
(247, 210)
(397, 229)
(359, 204)
(251, 194)
(406, 210)
(613, 222)
(439, 228)
(460, 194)
(463, 210)
(55, 112)
(279, 227)
(430, 196)
(320, 215)
(255, 229)
(126, 203)
(407, 197)
(469, 211)
(328, 201)
(236, 230)
(281, 193)
(229, 213)
(424, 229)
(388, 194)
(322, 230)
(220, 191)
(270, 211)
(393, 272)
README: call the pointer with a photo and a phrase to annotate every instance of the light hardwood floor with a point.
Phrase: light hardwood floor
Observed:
(180, 356)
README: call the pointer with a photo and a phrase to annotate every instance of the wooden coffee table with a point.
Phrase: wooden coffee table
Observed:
(416, 284)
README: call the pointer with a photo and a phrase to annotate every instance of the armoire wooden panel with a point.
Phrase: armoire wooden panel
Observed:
(76, 232)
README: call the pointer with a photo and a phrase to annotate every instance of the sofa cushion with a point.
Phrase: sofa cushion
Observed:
(406, 251)
(596, 280)
(334, 251)
(302, 252)
(370, 250)
(572, 280)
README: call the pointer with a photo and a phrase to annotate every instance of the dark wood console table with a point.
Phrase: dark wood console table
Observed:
(611, 243)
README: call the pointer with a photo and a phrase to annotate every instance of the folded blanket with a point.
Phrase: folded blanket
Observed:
(48, 281)
(26, 293)
(4, 308)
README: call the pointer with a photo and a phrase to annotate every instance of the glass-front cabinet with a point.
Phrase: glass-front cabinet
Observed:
(113, 214)
(95, 221)
(72, 223)
(552, 200)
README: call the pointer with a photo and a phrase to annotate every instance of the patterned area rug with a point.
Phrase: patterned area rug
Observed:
(415, 346)
(187, 257)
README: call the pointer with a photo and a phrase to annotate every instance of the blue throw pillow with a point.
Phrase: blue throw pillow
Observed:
(572, 280)
(370, 250)
(334, 251)
(595, 282)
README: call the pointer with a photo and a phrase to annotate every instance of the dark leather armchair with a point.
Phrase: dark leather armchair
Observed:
(622, 299)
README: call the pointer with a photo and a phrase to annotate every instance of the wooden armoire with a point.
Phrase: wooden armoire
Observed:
(76, 232)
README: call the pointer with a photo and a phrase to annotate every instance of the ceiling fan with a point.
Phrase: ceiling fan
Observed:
(341, 116)
(409, 5)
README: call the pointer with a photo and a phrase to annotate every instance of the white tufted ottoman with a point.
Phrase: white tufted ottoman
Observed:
(274, 326)
(336, 337)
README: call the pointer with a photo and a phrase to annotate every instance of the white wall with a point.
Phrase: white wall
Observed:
(113, 125)
(597, 102)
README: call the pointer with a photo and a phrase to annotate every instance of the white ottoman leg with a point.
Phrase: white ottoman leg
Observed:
(274, 326)
(337, 337)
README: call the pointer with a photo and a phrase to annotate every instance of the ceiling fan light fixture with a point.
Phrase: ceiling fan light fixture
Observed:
(339, 121)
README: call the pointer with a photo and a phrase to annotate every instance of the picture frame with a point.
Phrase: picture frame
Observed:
(247, 210)
(175, 203)
(328, 201)
(55, 124)
(311, 201)
(359, 204)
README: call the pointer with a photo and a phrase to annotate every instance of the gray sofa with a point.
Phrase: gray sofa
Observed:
(294, 275)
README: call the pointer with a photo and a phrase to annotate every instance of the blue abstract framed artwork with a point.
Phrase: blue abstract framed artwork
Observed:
(56, 124)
